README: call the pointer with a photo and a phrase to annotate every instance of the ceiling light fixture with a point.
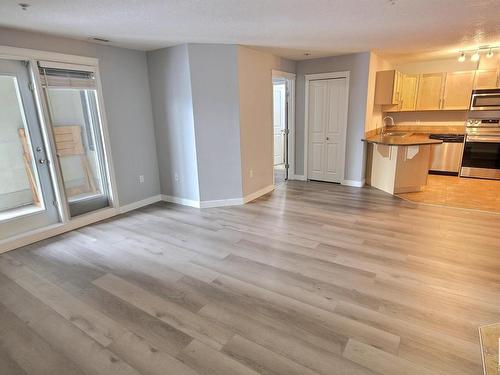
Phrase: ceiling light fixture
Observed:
(475, 56)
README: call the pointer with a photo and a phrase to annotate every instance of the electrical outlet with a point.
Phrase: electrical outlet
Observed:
(251, 173)
(176, 177)
(141, 179)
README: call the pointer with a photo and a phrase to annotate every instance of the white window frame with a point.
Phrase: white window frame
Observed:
(67, 223)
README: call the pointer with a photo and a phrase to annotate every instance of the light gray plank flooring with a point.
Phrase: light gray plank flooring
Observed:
(311, 279)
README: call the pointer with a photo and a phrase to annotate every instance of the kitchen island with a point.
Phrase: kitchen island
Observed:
(399, 162)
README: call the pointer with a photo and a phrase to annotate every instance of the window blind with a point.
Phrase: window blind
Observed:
(64, 77)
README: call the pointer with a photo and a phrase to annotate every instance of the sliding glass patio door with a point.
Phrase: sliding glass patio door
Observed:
(73, 105)
(27, 199)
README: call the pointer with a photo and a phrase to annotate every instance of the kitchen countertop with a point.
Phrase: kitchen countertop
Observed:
(409, 140)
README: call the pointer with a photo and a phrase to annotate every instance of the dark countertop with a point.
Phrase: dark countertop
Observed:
(409, 140)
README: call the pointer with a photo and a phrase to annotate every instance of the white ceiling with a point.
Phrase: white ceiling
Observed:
(287, 28)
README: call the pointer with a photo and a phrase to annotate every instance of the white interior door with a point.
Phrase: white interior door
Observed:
(279, 104)
(327, 122)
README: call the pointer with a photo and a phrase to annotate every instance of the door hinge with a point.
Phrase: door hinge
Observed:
(287, 166)
(30, 86)
(55, 203)
(286, 131)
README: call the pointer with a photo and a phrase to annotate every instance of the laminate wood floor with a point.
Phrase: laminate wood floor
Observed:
(314, 278)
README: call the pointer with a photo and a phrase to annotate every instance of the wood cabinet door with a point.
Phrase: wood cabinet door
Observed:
(457, 90)
(486, 79)
(396, 92)
(408, 95)
(429, 92)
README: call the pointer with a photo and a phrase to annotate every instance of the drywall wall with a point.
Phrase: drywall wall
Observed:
(127, 101)
(170, 84)
(214, 88)
(374, 112)
(218, 99)
(358, 66)
(436, 66)
(256, 121)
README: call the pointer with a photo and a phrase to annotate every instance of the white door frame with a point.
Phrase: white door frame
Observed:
(315, 77)
(290, 83)
(66, 223)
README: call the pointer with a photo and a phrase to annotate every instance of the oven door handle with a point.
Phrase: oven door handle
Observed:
(483, 138)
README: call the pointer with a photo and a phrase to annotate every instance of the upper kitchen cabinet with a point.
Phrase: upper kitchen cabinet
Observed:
(457, 90)
(408, 92)
(396, 90)
(430, 89)
(387, 87)
(487, 79)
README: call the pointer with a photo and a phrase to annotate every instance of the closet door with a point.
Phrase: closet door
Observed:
(327, 123)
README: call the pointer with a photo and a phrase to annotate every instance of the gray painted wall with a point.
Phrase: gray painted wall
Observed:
(127, 100)
(214, 85)
(170, 84)
(358, 65)
(212, 107)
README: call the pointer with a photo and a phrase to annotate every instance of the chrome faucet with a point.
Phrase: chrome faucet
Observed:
(384, 125)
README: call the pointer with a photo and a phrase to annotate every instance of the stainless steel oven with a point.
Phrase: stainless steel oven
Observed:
(485, 100)
(481, 157)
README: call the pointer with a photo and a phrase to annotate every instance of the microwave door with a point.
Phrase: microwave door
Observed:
(485, 101)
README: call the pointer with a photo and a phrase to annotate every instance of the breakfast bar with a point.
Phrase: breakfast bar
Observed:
(399, 162)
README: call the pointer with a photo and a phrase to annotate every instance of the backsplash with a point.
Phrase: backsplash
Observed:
(430, 118)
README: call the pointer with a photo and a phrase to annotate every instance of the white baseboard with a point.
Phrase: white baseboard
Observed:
(354, 183)
(141, 203)
(183, 201)
(298, 177)
(258, 193)
(222, 203)
(218, 202)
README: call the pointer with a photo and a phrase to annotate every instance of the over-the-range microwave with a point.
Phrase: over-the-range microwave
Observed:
(485, 100)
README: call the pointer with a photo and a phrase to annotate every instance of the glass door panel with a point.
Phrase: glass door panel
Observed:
(76, 128)
(26, 193)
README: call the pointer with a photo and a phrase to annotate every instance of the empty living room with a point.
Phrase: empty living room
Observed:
(245, 187)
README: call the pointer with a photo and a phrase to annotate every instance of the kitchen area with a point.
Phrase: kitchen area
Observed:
(438, 139)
